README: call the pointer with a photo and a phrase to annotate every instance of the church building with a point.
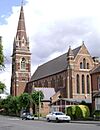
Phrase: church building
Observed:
(68, 74)
(21, 58)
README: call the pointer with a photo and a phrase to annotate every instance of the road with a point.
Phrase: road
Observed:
(12, 123)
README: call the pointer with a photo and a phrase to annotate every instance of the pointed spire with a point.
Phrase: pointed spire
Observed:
(83, 42)
(70, 52)
(22, 3)
(21, 30)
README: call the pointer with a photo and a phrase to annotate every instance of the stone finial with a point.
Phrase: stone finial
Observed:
(83, 42)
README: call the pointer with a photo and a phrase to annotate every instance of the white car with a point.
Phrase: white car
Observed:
(57, 116)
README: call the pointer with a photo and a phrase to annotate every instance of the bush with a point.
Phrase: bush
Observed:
(85, 111)
(78, 111)
(71, 111)
(96, 113)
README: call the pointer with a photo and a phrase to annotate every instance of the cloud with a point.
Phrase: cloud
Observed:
(52, 25)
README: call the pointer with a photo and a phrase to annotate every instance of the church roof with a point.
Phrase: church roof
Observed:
(96, 94)
(48, 92)
(96, 70)
(54, 66)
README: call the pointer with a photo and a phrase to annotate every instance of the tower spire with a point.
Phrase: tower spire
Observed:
(22, 2)
(21, 30)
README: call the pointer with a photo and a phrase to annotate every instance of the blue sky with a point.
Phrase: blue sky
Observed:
(6, 8)
(52, 26)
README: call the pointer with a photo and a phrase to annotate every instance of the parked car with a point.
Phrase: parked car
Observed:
(27, 116)
(58, 116)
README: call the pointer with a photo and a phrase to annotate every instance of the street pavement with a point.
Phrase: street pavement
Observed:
(74, 121)
(13, 123)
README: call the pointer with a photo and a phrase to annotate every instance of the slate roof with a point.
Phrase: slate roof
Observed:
(54, 66)
(96, 70)
(75, 100)
(48, 92)
(97, 94)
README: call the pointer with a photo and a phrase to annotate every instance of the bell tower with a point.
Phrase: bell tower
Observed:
(21, 58)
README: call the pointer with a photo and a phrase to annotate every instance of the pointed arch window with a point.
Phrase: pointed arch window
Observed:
(53, 83)
(40, 84)
(84, 63)
(78, 83)
(83, 84)
(98, 80)
(46, 83)
(88, 84)
(87, 65)
(60, 81)
(23, 64)
(81, 66)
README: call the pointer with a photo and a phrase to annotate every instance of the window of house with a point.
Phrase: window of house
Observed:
(84, 63)
(87, 65)
(83, 84)
(81, 66)
(60, 81)
(98, 83)
(23, 64)
(97, 103)
(77, 84)
(88, 84)
(40, 84)
(46, 83)
(53, 83)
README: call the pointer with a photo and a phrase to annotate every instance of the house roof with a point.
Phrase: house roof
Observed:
(97, 94)
(96, 69)
(54, 66)
(48, 92)
(75, 100)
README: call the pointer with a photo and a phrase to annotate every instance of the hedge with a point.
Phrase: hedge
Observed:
(78, 111)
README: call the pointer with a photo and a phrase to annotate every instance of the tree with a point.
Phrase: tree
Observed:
(24, 100)
(2, 87)
(37, 96)
(14, 107)
(1, 55)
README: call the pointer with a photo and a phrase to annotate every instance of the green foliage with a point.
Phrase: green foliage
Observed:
(13, 105)
(37, 96)
(2, 87)
(78, 111)
(1, 55)
(24, 100)
(10, 105)
(71, 111)
(96, 113)
(85, 111)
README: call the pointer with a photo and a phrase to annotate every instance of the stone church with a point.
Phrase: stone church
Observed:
(21, 58)
(68, 74)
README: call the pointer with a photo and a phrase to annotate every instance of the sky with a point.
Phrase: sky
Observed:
(52, 26)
